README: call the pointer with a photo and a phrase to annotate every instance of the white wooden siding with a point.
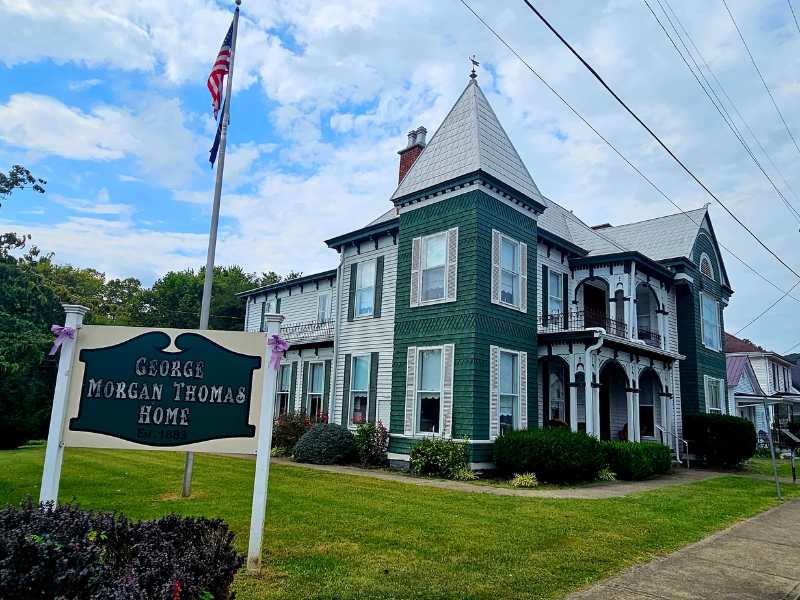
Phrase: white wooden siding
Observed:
(365, 335)
(295, 306)
(554, 264)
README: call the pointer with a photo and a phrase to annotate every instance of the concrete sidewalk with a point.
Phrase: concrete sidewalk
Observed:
(757, 559)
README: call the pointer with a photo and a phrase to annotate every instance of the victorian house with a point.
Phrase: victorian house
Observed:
(475, 305)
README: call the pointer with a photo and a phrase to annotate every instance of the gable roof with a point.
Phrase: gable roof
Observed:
(735, 367)
(469, 139)
(735, 344)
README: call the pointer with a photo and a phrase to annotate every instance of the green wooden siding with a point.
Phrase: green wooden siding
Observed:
(472, 323)
(700, 361)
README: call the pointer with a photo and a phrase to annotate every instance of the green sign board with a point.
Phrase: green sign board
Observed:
(137, 391)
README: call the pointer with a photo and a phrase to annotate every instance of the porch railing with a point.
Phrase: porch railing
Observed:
(679, 442)
(299, 332)
(578, 320)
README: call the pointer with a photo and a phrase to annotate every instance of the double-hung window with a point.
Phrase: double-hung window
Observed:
(429, 391)
(267, 307)
(712, 336)
(284, 389)
(359, 389)
(316, 386)
(434, 267)
(555, 293)
(324, 306)
(365, 289)
(713, 395)
(509, 271)
(508, 391)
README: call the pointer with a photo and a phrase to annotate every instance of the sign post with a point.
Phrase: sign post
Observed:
(54, 453)
(259, 510)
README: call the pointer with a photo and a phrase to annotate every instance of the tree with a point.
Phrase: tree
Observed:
(19, 178)
(27, 309)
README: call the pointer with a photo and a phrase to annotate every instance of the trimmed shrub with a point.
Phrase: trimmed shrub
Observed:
(524, 480)
(371, 443)
(288, 429)
(325, 444)
(72, 554)
(555, 455)
(637, 460)
(720, 440)
(439, 457)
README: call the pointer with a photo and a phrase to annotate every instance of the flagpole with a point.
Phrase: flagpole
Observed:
(205, 305)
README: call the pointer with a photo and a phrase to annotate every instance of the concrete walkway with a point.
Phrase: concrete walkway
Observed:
(590, 491)
(757, 559)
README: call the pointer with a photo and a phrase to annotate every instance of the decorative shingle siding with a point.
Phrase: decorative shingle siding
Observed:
(700, 360)
(472, 323)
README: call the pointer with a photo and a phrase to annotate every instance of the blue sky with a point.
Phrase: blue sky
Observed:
(106, 99)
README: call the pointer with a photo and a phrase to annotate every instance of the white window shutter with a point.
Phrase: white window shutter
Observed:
(523, 390)
(523, 277)
(495, 266)
(416, 245)
(411, 390)
(452, 263)
(448, 352)
(494, 391)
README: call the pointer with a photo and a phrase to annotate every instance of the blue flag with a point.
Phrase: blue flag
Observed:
(215, 146)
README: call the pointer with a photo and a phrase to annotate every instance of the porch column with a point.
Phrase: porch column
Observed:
(573, 395)
(633, 415)
(595, 410)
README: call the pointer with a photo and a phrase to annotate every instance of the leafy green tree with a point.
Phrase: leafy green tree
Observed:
(19, 178)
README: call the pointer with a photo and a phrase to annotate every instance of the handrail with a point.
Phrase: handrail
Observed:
(679, 441)
(306, 330)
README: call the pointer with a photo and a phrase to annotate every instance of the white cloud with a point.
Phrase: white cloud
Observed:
(84, 84)
(369, 71)
(155, 135)
(101, 206)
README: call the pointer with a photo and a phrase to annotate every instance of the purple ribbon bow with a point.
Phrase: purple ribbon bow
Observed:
(62, 333)
(279, 346)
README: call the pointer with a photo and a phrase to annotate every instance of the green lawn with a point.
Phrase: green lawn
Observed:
(334, 536)
(763, 466)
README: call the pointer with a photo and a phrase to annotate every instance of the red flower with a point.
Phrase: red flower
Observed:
(176, 591)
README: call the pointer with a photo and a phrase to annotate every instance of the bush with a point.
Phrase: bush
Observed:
(720, 440)
(633, 461)
(371, 444)
(288, 429)
(555, 455)
(606, 474)
(464, 474)
(524, 480)
(325, 444)
(72, 554)
(440, 457)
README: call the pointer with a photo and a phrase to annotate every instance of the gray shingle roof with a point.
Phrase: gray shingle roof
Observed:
(469, 138)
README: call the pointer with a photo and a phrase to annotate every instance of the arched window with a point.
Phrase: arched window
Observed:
(705, 266)
(647, 315)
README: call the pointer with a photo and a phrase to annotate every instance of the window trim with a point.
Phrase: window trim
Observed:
(551, 273)
(353, 358)
(705, 257)
(422, 240)
(288, 391)
(703, 299)
(371, 314)
(309, 393)
(517, 407)
(707, 379)
(329, 293)
(518, 294)
(420, 350)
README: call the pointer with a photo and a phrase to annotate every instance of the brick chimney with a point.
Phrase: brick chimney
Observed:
(409, 154)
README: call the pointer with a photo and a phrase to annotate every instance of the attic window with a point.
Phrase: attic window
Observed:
(705, 267)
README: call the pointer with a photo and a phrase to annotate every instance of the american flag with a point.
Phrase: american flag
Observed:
(221, 67)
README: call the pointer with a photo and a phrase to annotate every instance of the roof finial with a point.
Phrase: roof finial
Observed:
(473, 75)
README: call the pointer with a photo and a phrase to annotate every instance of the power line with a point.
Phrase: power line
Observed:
(766, 87)
(615, 150)
(709, 90)
(768, 308)
(731, 102)
(656, 138)
(794, 16)
(792, 348)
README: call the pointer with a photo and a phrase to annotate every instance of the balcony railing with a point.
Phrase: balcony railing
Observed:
(651, 338)
(579, 320)
(304, 332)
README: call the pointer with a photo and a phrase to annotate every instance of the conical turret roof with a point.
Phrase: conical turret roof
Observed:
(469, 139)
